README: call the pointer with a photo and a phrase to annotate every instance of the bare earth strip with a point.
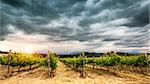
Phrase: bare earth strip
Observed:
(65, 75)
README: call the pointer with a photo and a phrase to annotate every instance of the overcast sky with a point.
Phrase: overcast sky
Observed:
(74, 25)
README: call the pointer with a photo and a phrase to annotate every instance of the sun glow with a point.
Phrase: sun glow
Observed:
(19, 47)
(28, 49)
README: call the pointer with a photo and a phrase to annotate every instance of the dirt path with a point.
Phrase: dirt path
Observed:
(65, 75)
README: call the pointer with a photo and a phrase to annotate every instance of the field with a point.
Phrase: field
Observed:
(25, 68)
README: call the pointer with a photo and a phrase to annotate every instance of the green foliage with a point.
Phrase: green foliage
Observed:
(141, 61)
(53, 61)
(21, 59)
(110, 60)
(4, 60)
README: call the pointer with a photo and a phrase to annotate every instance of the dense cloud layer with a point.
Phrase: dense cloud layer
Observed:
(92, 23)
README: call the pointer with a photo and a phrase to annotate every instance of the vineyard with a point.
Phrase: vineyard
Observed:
(109, 63)
(20, 60)
(138, 64)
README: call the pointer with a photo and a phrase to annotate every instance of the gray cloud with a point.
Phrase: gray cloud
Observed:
(85, 21)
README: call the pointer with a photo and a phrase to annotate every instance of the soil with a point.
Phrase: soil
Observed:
(65, 75)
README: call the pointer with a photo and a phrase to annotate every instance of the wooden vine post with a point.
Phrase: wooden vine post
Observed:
(9, 61)
(74, 63)
(49, 63)
(147, 58)
(93, 62)
(83, 65)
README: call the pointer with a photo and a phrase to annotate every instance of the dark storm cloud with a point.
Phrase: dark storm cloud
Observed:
(123, 9)
(15, 3)
(140, 17)
(29, 15)
(110, 39)
(46, 10)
